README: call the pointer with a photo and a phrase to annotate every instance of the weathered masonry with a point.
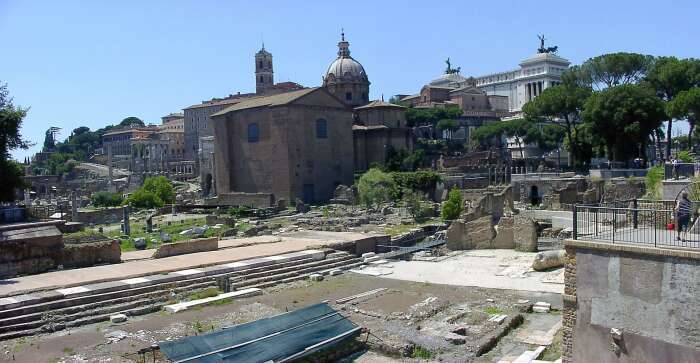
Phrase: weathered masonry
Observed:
(631, 303)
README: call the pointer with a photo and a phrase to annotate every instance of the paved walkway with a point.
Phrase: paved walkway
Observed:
(223, 244)
(261, 246)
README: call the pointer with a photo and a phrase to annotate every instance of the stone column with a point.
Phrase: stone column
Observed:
(74, 206)
(126, 229)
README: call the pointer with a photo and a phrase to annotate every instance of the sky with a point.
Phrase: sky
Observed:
(93, 63)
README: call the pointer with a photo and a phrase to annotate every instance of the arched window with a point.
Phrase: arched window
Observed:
(253, 132)
(321, 129)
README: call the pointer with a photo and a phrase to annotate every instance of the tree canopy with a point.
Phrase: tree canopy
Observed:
(11, 118)
(624, 117)
(431, 116)
(669, 77)
(614, 69)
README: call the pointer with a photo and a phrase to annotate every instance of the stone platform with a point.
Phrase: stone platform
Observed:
(251, 248)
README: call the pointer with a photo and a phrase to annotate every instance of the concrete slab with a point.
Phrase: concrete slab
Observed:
(174, 308)
(497, 269)
(103, 287)
(136, 281)
(73, 291)
(191, 273)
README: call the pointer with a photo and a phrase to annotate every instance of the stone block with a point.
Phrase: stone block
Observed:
(524, 233)
(118, 318)
(475, 234)
(541, 307)
(455, 339)
(368, 254)
(316, 277)
(336, 272)
(504, 234)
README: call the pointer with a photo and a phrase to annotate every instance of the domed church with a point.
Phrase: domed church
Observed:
(346, 78)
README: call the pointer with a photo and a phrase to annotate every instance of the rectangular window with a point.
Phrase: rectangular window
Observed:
(348, 96)
(321, 129)
(253, 132)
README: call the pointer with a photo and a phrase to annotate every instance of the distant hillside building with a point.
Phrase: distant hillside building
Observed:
(285, 146)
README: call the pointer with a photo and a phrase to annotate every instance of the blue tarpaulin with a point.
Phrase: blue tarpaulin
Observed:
(279, 338)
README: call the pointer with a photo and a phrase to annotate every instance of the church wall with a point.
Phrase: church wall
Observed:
(321, 162)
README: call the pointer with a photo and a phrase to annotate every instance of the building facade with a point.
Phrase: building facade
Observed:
(295, 145)
(380, 128)
(536, 73)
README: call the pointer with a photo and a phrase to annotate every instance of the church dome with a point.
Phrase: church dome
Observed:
(345, 68)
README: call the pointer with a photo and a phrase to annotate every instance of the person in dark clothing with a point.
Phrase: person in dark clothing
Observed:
(683, 212)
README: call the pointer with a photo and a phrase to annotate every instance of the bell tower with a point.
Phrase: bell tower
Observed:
(263, 71)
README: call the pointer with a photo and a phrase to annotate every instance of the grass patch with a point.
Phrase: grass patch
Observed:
(422, 353)
(68, 351)
(493, 310)
(210, 292)
(553, 352)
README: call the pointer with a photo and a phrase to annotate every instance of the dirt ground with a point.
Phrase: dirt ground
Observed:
(408, 320)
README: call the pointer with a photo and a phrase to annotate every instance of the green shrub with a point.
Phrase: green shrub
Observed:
(685, 157)
(375, 186)
(106, 199)
(144, 199)
(452, 207)
(154, 193)
(654, 177)
(423, 181)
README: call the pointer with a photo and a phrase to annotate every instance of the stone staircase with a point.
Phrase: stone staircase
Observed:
(72, 307)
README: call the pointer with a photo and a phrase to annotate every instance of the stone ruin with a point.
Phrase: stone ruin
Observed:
(489, 220)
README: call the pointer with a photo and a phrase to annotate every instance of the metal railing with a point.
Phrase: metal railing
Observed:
(633, 225)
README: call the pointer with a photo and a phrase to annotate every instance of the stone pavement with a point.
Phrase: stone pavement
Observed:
(223, 243)
(251, 248)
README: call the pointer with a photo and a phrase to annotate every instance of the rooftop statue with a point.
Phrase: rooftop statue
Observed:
(543, 49)
(449, 69)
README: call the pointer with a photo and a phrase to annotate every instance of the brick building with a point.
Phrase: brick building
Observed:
(285, 146)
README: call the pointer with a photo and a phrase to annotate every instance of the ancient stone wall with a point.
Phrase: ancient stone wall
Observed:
(257, 200)
(648, 294)
(33, 249)
(90, 254)
(185, 247)
(100, 216)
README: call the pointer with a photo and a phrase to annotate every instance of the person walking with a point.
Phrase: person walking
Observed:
(683, 212)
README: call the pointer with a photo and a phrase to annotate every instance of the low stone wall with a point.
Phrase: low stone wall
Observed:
(358, 247)
(257, 200)
(90, 254)
(185, 247)
(617, 173)
(100, 216)
(28, 249)
(648, 294)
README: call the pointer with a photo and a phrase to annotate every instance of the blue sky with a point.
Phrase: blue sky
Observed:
(94, 63)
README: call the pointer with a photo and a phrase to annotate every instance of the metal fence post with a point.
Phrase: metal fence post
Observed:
(595, 221)
(575, 222)
(635, 214)
(614, 224)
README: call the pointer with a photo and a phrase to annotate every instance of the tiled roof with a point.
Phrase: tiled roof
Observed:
(267, 101)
